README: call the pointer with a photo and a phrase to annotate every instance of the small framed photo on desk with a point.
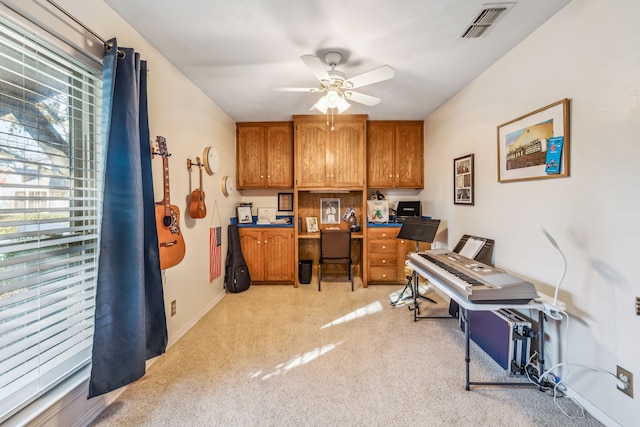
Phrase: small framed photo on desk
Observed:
(244, 215)
(312, 224)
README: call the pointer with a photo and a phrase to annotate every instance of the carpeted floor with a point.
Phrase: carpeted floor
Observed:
(280, 356)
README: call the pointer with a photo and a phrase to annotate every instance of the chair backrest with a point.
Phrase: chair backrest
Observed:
(335, 244)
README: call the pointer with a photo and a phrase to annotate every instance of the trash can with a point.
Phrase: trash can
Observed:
(305, 267)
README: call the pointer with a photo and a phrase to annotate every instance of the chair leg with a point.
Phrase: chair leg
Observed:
(351, 275)
(319, 276)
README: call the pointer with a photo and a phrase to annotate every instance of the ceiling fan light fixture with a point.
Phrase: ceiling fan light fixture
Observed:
(343, 105)
(321, 105)
(332, 97)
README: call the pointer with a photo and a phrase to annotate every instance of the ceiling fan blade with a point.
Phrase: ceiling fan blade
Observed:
(316, 66)
(374, 76)
(362, 98)
(295, 89)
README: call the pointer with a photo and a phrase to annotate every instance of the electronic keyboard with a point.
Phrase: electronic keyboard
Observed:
(477, 282)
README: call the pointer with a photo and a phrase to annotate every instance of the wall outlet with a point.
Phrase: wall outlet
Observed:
(173, 308)
(627, 378)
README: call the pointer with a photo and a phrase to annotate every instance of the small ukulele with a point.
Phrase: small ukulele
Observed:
(197, 208)
(170, 241)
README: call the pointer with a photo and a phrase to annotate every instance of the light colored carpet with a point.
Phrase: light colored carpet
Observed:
(280, 356)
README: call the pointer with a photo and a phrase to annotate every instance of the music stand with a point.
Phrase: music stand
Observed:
(420, 230)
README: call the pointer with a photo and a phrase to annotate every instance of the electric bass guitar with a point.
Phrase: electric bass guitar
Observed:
(197, 208)
(170, 240)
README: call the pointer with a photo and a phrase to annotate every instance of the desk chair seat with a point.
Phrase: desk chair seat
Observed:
(335, 248)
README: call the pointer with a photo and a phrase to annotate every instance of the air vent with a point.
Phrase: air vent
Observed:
(485, 20)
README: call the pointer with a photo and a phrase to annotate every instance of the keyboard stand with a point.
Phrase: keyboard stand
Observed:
(413, 279)
(466, 306)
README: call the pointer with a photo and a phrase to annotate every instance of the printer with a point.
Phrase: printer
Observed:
(408, 209)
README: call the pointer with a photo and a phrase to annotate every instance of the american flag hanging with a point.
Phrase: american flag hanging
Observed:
(215, 253)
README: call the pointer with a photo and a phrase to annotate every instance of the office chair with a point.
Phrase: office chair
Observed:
(335, 248)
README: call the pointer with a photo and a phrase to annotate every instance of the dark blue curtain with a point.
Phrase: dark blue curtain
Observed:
(130, 321)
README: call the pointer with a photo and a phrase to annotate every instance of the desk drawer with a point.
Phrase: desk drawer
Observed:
(383, 260)
(383, 246)
(379, 274)
(383, 232)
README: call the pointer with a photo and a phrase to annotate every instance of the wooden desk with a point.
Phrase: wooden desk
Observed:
(467, 306)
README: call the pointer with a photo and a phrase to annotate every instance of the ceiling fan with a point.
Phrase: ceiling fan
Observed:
(338, 89)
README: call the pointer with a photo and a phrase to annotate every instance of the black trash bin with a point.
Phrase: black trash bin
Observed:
(305, 267)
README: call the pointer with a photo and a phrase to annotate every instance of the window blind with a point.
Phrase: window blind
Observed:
(49, 215)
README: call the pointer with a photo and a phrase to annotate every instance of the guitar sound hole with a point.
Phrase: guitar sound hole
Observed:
(166, 221)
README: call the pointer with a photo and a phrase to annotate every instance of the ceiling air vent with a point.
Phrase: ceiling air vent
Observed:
(485, 20)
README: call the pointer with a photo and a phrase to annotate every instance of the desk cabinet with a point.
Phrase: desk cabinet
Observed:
(329, 158)
(264, 155)
(395, 154)
(387, 254)
(268, 253)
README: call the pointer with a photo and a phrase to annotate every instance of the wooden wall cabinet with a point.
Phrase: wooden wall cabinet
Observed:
(268, 253)
(330, 158)
(264, 155)
(395, 154)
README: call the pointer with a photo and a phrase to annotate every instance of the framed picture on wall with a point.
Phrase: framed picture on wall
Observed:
(329, 211)
(463, 191)
(536, 145)
(285, 202)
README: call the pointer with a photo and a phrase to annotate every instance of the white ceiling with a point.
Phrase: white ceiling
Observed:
(236, 50)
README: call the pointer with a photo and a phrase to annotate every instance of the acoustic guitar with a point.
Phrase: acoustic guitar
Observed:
(170, 240)
(197, 208)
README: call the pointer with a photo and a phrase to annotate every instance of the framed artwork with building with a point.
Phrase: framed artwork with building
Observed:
(528, 146)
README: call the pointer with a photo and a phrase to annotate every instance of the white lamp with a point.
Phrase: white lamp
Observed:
(564, 259)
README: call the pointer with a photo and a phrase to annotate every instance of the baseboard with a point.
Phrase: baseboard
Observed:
(180, 332)
(594, 411)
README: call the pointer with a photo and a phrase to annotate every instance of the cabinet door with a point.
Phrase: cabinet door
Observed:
(250, 157)
(311, 148)
(278, 255)
(252, 244)
(409, 156)
(279, 156)
(347, 153)
(380, 152)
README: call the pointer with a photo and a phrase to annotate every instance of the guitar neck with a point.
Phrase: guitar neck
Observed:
(166, 200)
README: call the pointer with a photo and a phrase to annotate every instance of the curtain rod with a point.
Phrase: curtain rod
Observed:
(108, 44)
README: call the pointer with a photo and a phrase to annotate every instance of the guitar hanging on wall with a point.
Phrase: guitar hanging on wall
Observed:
(170, 240)
(197, 208)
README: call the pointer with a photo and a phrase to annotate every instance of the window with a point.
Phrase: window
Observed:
(49, 215)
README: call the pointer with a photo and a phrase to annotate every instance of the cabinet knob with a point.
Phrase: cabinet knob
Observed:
(265, 242)
(384, 261)
(384, 234)
(384, 247)
(391, 176)
(384, 275)
(261, 176)
(397, 176)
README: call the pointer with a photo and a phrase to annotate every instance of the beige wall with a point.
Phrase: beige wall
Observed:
(189, 121)
(588, 53)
